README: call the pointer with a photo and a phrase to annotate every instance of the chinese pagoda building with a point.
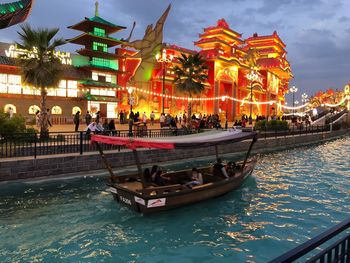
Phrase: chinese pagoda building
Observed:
(99, 84)
(225, 52)
(14, 13)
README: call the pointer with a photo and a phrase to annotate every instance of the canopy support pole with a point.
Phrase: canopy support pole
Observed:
(139, 169)
(104, 159)
(249, 150)
(216, 152)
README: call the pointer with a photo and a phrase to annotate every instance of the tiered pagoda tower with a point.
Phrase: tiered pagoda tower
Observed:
(99, 65)
(221, 47)
(14, 13)
(273, 66)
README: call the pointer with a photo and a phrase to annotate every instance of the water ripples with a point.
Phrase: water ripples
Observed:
(292, 196)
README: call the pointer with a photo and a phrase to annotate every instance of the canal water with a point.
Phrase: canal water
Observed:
(293, 195)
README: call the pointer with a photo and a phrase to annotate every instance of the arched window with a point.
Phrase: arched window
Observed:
(75, 109)
(8, 106)
(33, 109)
(56, 110)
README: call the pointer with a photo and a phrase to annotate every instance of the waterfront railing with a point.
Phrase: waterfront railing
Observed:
(30, 144)
(337, 251)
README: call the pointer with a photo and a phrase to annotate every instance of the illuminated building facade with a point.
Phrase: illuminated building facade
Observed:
(96, 79)
(228, 76)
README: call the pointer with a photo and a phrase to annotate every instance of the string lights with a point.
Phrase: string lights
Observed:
(271, 102)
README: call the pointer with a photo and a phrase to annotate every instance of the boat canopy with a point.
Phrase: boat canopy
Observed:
(204, 139)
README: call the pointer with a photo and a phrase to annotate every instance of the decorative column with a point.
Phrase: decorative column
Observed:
(216, 94)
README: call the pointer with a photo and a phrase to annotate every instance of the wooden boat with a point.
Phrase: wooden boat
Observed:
(144, 197)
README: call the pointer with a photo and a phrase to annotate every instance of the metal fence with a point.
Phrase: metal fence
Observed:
(293, 131)
(339, 251)
(30, 144)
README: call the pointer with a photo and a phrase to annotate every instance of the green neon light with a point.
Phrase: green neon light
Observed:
(99, 32)
(105, 63)
(96, 45)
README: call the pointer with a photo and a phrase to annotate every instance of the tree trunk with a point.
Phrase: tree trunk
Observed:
(189, 110)
(44, 126)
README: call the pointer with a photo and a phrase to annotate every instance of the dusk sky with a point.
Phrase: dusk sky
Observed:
(316, 32)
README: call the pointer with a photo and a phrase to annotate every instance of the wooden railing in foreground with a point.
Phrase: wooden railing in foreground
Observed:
(336, 252)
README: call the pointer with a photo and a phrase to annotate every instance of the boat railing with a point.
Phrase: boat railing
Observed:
(338, 251)
(160, 190)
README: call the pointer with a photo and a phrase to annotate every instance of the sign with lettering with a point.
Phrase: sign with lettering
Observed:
(156, 202)
(14, 52)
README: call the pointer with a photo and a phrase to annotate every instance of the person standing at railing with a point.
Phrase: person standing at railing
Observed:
(88, 118)
(152, 116)
(77, 120)
(144, 118)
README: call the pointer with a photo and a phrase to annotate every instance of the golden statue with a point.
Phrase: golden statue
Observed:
(148, 47)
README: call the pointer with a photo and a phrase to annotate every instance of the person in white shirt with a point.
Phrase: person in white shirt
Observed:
(144, 118)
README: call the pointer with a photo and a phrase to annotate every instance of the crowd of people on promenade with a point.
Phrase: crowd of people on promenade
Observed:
(96, 124)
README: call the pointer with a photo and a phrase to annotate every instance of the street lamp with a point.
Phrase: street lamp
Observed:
(163, 58)
(296, 103)
(224, 98)
(252, 76)
(131, 101)
(304, 98)
(131, 98)
(293, 90)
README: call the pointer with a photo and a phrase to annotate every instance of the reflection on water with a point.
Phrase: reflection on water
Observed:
(293, 195)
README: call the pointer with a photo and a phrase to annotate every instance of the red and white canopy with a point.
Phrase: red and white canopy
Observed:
(187, 141)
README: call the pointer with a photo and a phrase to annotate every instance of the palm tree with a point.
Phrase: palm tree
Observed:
(40, 68)
(189, 77)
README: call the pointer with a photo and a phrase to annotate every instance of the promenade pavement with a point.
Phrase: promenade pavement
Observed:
(82, 127)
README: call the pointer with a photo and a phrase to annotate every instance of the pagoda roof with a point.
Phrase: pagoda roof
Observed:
(210, 40)
(223, 26)
(274, 36)
(94, 53)
(100, 68)
(90, 83)
(180, 49)
(222, 32)
(88, 24)
(15, 12)
(88, 38)
(275, 65)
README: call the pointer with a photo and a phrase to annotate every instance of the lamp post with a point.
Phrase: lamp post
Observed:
(131, 103)
(163, 58)
(304, 98)
(224, 99)
(296, 103)
(252, 76)
(293, 90)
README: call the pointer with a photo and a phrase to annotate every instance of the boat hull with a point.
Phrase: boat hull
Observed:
(177, 195)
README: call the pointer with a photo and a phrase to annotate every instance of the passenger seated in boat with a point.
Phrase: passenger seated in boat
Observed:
(230, 168)
(160, 179)
(219, 169)
(154, 171)
(147, 176)
(196, 178)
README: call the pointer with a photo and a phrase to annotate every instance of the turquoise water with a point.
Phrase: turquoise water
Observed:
(292, 195)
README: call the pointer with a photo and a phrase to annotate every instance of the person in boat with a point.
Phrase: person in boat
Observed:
(230, 168)
(160, 179)
(197, 178)
(154, 171)
(147, 176)
(219, 169)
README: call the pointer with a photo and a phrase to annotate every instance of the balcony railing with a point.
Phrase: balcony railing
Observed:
(338, 251)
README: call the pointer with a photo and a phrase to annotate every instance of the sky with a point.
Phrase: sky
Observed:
(316, 32)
